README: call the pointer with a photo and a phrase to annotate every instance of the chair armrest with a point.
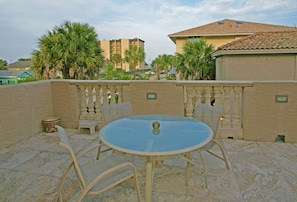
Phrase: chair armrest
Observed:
(106, 173)
(88, 150)
(112, 170)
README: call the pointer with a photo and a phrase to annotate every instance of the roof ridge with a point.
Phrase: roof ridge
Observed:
(264, 40)
(229, 26)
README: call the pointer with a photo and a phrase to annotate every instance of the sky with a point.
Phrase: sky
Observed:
(22, 23)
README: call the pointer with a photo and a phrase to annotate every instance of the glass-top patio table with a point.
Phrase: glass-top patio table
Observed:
(155, 137)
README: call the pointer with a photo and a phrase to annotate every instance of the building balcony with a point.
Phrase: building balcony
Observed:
(258, 131)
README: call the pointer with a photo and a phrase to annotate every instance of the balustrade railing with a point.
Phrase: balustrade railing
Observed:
(222, 94)
(94, 94)
(228, 95)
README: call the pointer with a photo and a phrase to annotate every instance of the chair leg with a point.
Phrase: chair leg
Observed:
(59, 196)
(204, 169)
(99, 151)
(224, 155)
(188, 157)
(137, 184)
(224, 158)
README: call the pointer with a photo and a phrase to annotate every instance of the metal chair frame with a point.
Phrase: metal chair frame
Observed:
(123, 170)
(210, 115)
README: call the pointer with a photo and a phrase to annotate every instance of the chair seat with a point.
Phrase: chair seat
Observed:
(94, 168)
(90, 124)
(95, 177)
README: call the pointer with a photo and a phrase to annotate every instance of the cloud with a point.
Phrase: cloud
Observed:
(150, 20)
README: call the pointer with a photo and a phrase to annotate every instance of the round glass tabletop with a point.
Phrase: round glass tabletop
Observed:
(156, 134)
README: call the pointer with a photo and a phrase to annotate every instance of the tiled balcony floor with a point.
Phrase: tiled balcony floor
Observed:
(259, 171)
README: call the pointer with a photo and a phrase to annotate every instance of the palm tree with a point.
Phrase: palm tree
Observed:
(196, 62)
(133, 56)
(109, 72)
(181, 67)
(116, 59)
(157, 66)
(71, 48)
(167, 62)
(162, 62)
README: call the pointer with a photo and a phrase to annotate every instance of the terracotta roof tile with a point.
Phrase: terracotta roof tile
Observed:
(231, 27)
(264, 40)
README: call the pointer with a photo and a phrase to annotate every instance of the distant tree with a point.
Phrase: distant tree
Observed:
(167, 62)
(28, 79)
(24, 59)
(109, 72)
(133, 56)
(196, 62)
(3, 64)
(71, 48)
(157, 66)
(116, 59)
(162, 62)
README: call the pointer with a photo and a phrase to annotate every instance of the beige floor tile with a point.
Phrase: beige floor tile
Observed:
(259, 171)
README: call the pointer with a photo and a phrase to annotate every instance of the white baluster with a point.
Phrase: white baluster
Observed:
(101, 96)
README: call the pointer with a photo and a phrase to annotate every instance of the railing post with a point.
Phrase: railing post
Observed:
(237, 107)
(218, 95)
(189, 103)
(208, 92)
(83, 108)
(97, 101)
(198, 95)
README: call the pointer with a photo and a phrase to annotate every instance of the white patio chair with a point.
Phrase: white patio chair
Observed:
(96, 177)
(210, 115)
(112, 112)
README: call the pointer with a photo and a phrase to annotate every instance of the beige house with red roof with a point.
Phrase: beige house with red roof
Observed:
(224, 31)
(262, 56)
(240, 65)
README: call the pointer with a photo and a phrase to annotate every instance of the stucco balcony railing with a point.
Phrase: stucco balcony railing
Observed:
(94, 94)
(251, 109)
(226, 95)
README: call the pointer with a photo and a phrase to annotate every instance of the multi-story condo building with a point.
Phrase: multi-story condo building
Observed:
(119, 46)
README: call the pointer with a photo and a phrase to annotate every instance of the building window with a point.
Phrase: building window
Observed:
(194, 38)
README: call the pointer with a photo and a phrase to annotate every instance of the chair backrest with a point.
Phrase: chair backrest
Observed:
(64, 142)
(112, 112)
(210, 115)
